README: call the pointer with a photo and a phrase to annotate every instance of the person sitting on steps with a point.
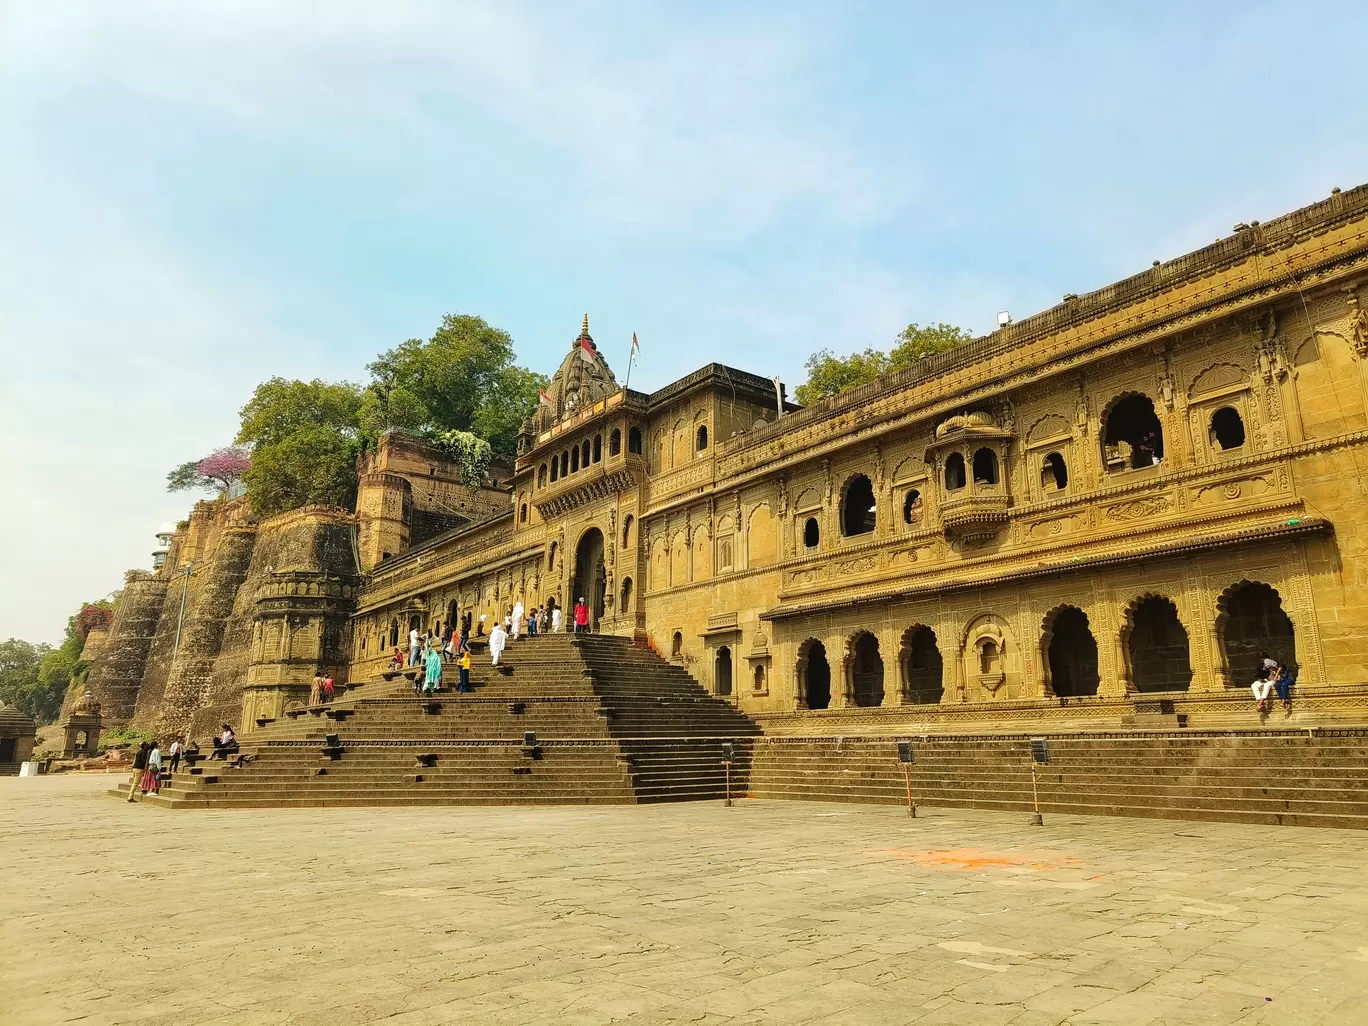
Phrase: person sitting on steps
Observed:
(1282, 684)
(225, 744)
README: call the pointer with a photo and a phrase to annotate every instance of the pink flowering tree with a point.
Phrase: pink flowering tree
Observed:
(226, 466)
(220, 470)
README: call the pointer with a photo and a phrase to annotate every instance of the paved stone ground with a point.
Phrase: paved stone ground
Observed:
(769, 912)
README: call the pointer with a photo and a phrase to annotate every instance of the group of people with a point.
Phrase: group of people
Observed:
(1278, 679)
(147, 766)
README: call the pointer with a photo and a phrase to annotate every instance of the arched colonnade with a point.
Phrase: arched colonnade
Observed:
(1153, 653)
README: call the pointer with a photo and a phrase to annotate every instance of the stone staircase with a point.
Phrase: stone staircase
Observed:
(613, 723)
(1303, 778)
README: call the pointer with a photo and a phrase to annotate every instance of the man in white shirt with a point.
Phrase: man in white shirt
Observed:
(413, 646)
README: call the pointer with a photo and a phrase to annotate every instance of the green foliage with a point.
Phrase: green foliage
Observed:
(305, 437)
(20, 663)
(471, 452)
(830, 375)
(916, 342)
(461, 379)
(122, 737)
(511, 399)
(452, 372)
(458, 387)
(186, 478)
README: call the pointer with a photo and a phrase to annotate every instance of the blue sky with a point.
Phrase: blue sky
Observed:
(194, 197)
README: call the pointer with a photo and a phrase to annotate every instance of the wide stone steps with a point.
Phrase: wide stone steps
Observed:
(398, 747)
(1292, 778)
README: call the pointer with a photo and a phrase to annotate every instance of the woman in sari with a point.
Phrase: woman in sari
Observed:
(433, 679)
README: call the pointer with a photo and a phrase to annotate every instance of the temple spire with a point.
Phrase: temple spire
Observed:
(584, 329)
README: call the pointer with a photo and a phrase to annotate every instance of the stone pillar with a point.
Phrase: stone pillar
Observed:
(1119, 685)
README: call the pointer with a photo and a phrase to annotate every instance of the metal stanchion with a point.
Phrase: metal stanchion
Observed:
(1040, 755)
(728, 751)
(906, 756)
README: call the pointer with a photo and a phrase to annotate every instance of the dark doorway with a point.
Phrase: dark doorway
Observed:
(857, 507)
(816, 673)
(923, 668)
(1254, 624)
(985, 467)
(9, 749)
(954, 472)
(1133, 436)
(866, 671)
(1073, 654)
(1158, 647)
(722, 671)
(591, 582)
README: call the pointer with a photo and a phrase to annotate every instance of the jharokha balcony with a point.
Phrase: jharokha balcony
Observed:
(971, 514)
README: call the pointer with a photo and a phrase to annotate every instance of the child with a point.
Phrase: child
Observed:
(465, 672)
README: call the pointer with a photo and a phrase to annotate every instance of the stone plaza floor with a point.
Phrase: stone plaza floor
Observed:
(768, 912)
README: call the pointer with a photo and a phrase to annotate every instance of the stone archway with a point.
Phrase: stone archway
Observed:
(923, 668)
(1070, 652)
(866, 671)
(1251, 623)
(814, 674)
(1156, 645)
(591, 579)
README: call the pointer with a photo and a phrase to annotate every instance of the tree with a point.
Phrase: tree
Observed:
(220, 470)
(461, 379)
(305, 437)
(512, 398)
(19, 665)
(830, 375)
(916, 342)
(34, 678)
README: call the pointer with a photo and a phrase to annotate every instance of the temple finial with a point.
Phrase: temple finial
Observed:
(584, 328)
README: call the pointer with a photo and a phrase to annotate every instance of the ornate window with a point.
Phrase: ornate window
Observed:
(857, 507)
(615, 442)
(1227, 428)
(1133, 437)
(912, 507)
(634, 441)
(812, 534)
(701, 438)
(1054, 474)
(954, 472)
(985, 467)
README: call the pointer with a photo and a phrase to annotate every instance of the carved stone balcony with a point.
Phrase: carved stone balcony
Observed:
(974, 517)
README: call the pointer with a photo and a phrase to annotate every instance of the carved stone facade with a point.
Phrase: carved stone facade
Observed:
(1110, 508)
(1135, 493)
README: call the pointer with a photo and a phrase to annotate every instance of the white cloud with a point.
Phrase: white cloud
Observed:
(690, 125)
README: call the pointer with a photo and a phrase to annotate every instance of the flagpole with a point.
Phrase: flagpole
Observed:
(631, 359)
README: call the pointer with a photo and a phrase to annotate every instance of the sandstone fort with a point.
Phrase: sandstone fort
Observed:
(1099, 517)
